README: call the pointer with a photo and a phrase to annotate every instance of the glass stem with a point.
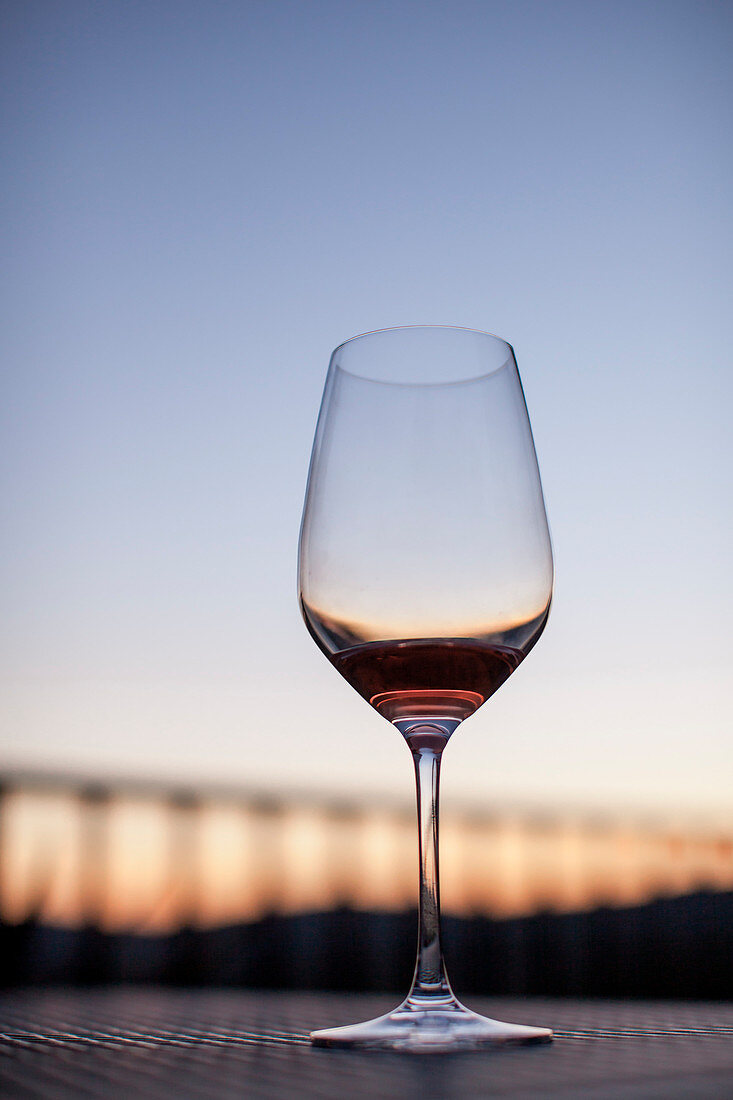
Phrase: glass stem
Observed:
(430, 982)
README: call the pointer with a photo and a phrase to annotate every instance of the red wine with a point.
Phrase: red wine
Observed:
(448, 678)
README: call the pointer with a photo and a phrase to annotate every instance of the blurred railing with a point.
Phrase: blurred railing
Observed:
(142, 857)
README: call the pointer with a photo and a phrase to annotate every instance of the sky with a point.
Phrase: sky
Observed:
(200, 202)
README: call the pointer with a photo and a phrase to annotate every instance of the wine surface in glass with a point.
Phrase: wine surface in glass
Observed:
(448, 678)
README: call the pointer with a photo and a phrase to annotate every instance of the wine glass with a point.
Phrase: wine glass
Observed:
(425, 572)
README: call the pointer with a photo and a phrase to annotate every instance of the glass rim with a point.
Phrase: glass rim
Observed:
(510, 357)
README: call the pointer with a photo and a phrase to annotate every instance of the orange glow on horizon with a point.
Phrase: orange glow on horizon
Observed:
(151, 865)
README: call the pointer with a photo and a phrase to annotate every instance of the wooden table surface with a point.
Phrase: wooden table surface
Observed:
(199, 1044)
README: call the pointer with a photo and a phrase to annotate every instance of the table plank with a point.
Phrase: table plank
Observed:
(203, 1044)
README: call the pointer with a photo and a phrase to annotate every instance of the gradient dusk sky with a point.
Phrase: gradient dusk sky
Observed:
(202, 201)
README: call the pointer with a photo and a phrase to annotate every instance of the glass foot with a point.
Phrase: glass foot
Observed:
(426, 1029)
